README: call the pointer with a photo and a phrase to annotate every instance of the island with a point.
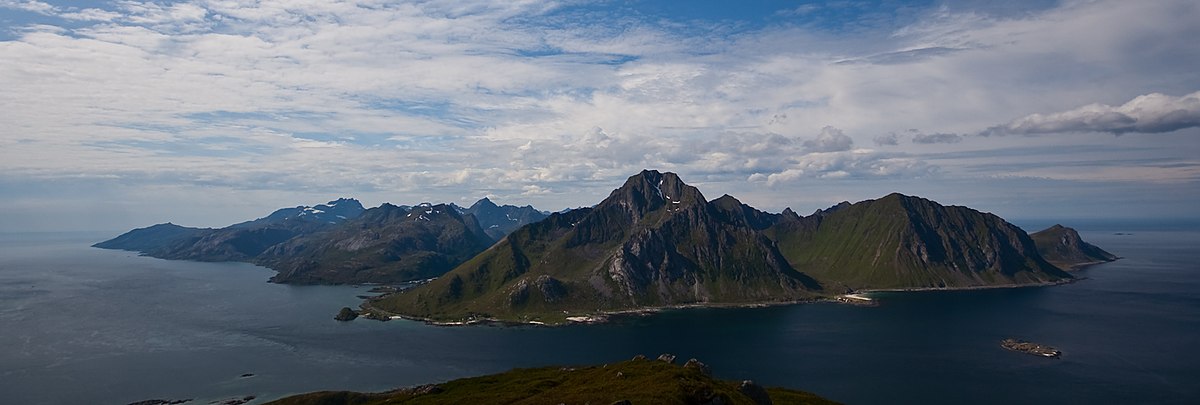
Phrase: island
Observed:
(657, 242)
(1030, 348)
(636, 381)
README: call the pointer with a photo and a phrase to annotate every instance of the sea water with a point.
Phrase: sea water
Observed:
(84, 325)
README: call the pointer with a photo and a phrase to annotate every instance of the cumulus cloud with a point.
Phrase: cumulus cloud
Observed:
(829, 140)
(1146, 114)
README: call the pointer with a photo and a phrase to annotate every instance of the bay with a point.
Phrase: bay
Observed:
(85, 325)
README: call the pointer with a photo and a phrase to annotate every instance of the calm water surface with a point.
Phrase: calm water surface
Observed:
(82, 325)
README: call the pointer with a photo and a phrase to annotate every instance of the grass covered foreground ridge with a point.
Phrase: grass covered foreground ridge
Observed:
(635, 382)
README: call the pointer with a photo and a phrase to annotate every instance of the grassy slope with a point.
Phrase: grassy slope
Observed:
(640, 382)
(907, 242)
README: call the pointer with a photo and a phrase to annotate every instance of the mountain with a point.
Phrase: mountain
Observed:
(903, 242)
(334, 243)
(334, 212)
(383, 245)
(238, 242)
(638, 381)
(1063, 247)
(499, 220)
(155, 240)
(654, 241)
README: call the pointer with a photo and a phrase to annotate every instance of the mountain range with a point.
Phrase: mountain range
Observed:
(339, 242)
(657, 241)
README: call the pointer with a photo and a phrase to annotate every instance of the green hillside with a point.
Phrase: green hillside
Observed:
(639, 381)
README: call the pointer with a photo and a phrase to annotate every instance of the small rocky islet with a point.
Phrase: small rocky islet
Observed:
(1035, 349)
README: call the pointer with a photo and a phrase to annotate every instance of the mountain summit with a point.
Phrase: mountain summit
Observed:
(498, 220)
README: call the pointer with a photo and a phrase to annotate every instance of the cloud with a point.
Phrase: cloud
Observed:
(533, 189)
(855, 164)
(91, 14)
(445, 98)
(829, 140)
(803, 9)
(923, 138)
(1146, 114)
(33, 6)
(890, 139)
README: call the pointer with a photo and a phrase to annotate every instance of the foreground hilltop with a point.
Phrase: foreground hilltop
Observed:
(638, 381)
(657, 241)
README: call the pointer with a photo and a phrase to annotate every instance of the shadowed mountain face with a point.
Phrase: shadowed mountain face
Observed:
(500, 220)
(333, 243)
(1063, 247)
(238, 242)
(384, 245)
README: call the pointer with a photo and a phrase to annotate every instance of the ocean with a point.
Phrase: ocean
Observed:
(80, 325)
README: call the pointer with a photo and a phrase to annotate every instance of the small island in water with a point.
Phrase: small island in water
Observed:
(1035, 349)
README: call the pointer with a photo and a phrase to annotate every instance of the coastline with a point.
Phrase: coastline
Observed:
(375, 313)
(852, 297)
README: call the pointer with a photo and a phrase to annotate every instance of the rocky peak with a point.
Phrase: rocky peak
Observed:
(483, 204)
(789, 214)
(735, 212)
(649, 191)
(843, 205)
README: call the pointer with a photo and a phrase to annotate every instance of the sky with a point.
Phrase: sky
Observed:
(122, 114)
